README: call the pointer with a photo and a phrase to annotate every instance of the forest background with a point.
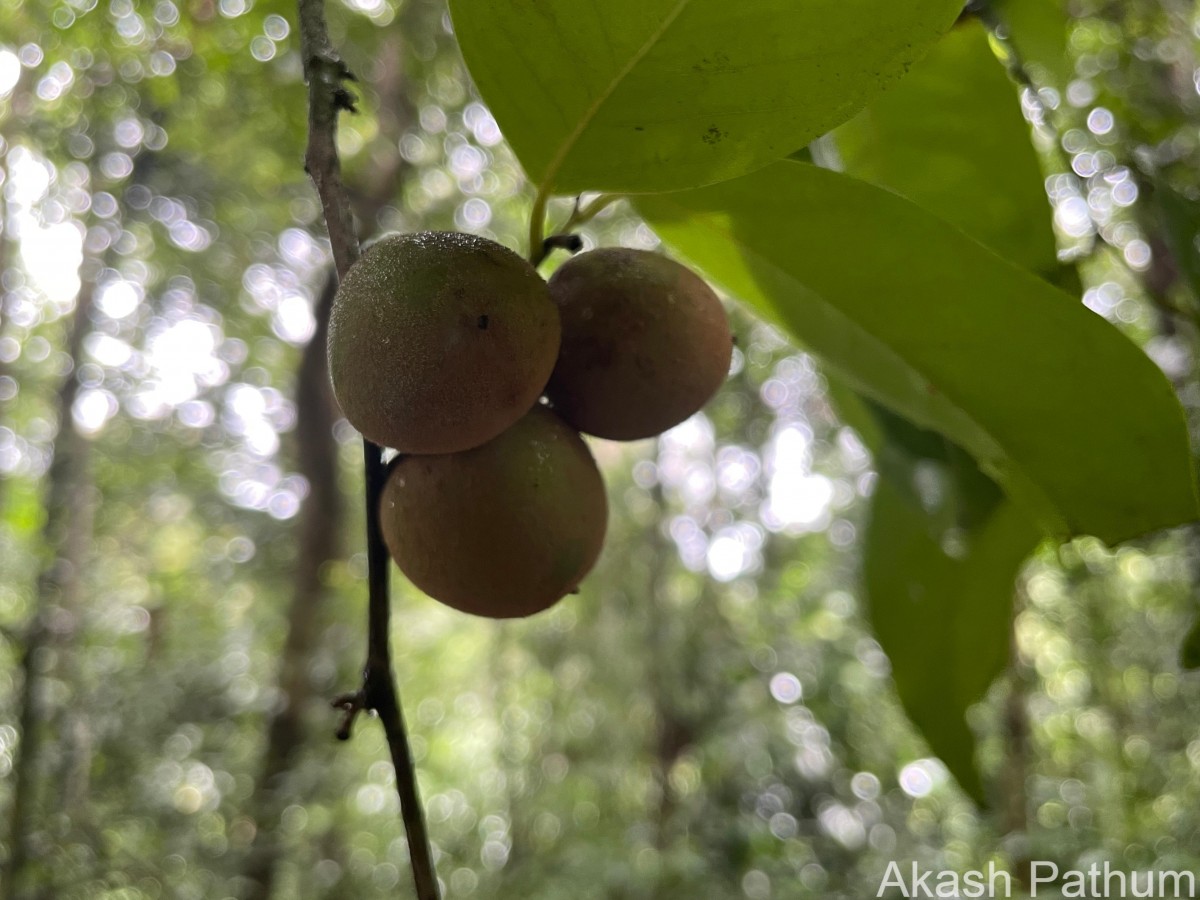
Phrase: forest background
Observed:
(715, 715)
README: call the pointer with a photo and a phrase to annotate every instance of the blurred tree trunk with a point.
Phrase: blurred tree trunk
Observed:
(322, 513)
(1014, 775)
(5, 255)
(671, 735)
(320, 523)
(64, 541)
(72, 722)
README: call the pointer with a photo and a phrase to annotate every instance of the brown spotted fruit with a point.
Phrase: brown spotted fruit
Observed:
(438, 341)
(503, 530)
(645, 343)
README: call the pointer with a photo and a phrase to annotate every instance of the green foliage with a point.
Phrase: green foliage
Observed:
(1039, 32)
(652, 95)
(929, 323)
(714, 714)
(951, 138)
(941, 553)
(940, 563)
(941, 606)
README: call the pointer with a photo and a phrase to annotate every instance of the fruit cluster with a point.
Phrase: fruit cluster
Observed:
(440, 346)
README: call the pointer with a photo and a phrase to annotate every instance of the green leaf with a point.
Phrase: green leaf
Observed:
(649, 95)
(856, 411)
(1037, 31)
(968, 496)
(940, 604)
(951, 138)
(941, 601)
(1064, 412)
(940, 554)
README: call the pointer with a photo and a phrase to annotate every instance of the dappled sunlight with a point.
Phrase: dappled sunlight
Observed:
(798, 500)
(711, 714)
(918, 779)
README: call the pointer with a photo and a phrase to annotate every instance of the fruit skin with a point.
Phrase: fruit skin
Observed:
(438, 341)
(504, 530)
(645, 343)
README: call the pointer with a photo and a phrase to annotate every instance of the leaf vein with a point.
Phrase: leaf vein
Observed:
(592, 111)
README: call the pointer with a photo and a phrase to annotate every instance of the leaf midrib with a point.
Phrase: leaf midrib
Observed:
(589, 115)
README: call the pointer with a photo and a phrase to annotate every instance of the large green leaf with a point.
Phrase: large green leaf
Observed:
(942, 548)
(1072, 420)
(951, 138)
(940, 554)
(648, 95)
(940, 604)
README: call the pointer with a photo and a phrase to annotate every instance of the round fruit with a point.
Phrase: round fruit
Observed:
(503, 530)
(439, 341)
(645, 343)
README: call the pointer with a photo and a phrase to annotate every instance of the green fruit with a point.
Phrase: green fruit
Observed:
(439, 341)
(503, 530)
(645, 343)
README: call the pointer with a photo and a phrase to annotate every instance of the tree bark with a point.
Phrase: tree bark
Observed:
(323, 514)
(320, 521)
(57, 589)
(5, 254)
(1015, 773)
(326, 75)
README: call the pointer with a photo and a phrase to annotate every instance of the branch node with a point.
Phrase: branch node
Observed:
(351, 705)
(572, 243)
(326, 74)
(344, 99)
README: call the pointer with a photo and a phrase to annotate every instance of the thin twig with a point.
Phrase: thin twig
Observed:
(327, 96)
(564, 238)
(326, 75)
(537, 226)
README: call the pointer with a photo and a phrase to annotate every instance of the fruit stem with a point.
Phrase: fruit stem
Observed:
(537, 226)
(326, 75)
(563, 238)
(593, 208)
(379, 686)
